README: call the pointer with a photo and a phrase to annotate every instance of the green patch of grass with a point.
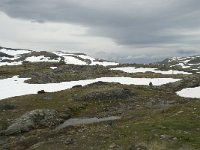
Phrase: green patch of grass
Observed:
(183, 128)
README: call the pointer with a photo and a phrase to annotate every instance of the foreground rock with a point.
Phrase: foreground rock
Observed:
(39, 118)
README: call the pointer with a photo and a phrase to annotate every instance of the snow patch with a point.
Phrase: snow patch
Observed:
(41, 59)
(10, 64)
(53, 68)
(189, 92)
(16, 86)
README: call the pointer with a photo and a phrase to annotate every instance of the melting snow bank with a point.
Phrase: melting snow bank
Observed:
(15, 86)
(82, 121)
(190, 92)
(143, 70)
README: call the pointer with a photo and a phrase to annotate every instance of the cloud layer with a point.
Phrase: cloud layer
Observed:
(134, 24)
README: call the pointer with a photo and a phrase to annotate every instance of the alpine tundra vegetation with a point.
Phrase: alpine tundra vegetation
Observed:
(59, 100)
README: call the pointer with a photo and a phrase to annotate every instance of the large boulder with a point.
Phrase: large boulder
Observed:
(39, 118)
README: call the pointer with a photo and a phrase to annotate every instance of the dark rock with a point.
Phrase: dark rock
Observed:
(5, 55)
(149, 72)
(150, 84)
(7, 106)
(138, 147)
(39, 118)
(68, 141)
(41, 92)
(77, 86)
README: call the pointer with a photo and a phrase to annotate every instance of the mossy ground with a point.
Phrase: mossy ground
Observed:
(141, 123)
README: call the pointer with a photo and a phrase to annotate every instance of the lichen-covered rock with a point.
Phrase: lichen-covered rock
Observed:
(39, 118)
(116, 93)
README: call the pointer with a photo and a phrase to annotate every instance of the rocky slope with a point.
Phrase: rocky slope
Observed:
(190, 62)
(9, 56)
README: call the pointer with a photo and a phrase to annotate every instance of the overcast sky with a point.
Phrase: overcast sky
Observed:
(123, 30)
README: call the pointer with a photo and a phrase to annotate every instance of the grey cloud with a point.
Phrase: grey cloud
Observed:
(186, 52)
(127, 22)
(123, 58)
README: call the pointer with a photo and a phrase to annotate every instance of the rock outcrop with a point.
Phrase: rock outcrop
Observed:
(116, 93)
(40, 118)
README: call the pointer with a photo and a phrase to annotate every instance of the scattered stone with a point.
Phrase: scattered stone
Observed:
(41, 92)
(35, 146)
(174, 138)
(179, 112)
(167, 137)
(138, 147)
(150, 84)
(113, 145)
(68, 141)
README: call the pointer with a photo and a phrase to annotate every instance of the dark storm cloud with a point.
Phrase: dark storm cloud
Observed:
(127, 22)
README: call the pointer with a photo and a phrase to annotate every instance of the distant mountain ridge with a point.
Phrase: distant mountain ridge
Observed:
(190, 62)
(10, 56)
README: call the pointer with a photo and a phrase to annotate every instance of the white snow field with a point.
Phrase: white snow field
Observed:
(15, 86)
(189, 92)
(143, 70)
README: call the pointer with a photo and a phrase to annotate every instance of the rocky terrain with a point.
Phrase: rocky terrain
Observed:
(98, 115)
(190, 62)
(9, 56)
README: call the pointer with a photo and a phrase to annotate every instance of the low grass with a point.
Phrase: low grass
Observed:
(140, 124)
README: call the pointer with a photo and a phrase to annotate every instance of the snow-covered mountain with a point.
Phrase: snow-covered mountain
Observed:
(9, 56)
(190, 62)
